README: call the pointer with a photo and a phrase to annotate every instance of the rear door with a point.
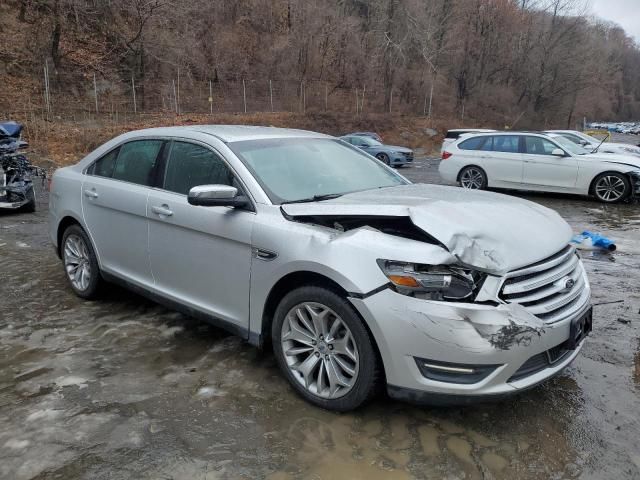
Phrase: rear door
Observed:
(114, 207)
(543, 170)
(502, 161)
(200, 256)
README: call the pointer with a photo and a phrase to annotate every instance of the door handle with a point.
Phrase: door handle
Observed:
(91, 193)
(163, 210)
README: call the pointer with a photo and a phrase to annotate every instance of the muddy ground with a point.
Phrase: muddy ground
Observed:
(121, 388)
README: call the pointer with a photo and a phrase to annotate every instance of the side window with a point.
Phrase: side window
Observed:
(136, 161)
(104, 166)
(190, 165)
(474, 143)
(505, 143)
(538, 146)
(488, 145)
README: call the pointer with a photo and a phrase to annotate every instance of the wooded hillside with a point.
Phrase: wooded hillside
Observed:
(533, 63)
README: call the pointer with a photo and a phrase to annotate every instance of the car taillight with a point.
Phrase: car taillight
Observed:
(446, 155)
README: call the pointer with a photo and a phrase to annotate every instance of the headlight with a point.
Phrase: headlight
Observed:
(433, 282)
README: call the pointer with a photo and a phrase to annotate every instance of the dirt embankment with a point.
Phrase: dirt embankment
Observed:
(65, 141)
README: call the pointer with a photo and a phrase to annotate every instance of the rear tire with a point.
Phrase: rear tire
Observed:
(611, 187)
(473, 178)
(324, 349)
(80, 263)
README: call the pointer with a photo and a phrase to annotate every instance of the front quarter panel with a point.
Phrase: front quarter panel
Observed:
(347, 258)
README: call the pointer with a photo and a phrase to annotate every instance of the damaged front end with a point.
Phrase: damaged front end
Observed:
(16, 172)
(477, 303)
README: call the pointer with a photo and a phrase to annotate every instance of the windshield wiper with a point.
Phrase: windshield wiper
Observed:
(315, 198)
(596, 149)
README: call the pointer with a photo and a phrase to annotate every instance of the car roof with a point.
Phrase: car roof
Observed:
(231, 133)
(470, 130)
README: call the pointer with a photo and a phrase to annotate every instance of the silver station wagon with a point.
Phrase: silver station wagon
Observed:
(357, 278)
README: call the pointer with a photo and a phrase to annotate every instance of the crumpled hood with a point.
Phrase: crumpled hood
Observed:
(630, 160)
(487, 230)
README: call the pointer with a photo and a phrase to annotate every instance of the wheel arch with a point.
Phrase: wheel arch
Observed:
(297, 279)
(65, 223)
(592, 183)
(471, 165)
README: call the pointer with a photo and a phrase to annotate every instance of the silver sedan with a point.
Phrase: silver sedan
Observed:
(356, 277)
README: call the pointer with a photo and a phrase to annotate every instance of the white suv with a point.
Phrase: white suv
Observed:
(542, 162)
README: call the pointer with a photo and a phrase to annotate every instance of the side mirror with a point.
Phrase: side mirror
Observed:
(216, 196)
(558, 152)
(583, 142)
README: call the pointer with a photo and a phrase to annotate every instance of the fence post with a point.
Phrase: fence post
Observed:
(271, 95)
(178, 94)
(47, 98)
(356, 101)
(325, 96)
(304, 98)
(175, 99)
(210, 98)
(244, 95)
(364, 89)
(133, 89)
(431, 97)
(95, 90)
(390, 100)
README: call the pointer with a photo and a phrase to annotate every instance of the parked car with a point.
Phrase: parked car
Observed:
(591, 143)
(16, 172)
(542, 162)
(455, 133)
(354, 275)
(373, 135)
(388, 154)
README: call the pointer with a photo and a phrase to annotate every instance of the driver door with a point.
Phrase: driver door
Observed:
(200, 256)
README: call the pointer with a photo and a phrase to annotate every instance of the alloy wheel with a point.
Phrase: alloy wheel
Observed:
(77, 262)
(320, 350)
(472, 178)
(610, 188)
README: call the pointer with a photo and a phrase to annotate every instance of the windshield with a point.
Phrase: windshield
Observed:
(569, 145)
(299, 169)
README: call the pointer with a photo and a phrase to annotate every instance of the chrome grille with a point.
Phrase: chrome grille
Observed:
(552, 289)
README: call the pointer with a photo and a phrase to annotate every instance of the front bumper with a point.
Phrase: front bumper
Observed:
(400, 159)
(13, 198)
(504, 336)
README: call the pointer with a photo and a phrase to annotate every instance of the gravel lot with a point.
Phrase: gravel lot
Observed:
(121, 388)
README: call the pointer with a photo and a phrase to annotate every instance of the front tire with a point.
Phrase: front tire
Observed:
(384, 158)
(80, 262)
(611, 187)
(473, 178)
(30, 206)
(324, 349)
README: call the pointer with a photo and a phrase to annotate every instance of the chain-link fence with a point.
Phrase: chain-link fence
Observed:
(71, 97)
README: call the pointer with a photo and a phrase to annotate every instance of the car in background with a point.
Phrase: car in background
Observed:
(373, 135)
(539, 162)
(591, 143)
(455, 133)
(388, 154)
(357, 279)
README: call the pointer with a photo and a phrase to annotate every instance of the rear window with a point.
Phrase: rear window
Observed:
(454, 135)
(474, 143)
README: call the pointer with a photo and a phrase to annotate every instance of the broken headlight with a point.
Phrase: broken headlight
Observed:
(451, 283)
